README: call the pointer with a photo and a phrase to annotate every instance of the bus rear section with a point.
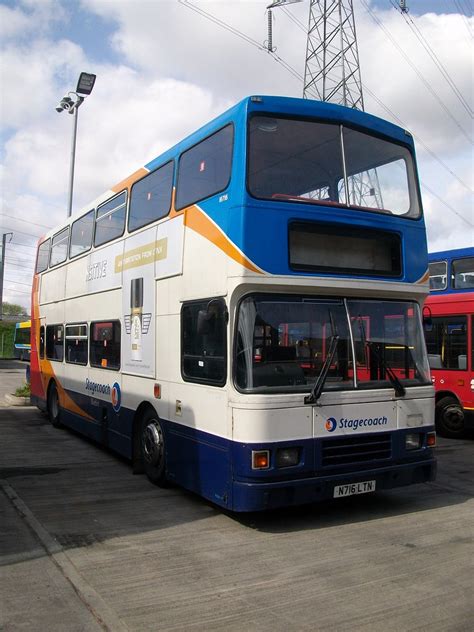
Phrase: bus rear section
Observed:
(449, 326)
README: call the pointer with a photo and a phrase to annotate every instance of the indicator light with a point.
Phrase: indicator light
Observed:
(431, 439)
(260, 459)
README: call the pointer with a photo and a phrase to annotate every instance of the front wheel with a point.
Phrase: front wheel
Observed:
(152, 447)
(449, 418)
(54, 412)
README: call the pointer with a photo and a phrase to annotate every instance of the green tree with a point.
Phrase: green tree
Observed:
(11, 309)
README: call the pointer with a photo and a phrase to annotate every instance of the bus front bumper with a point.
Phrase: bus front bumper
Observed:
(260, 496)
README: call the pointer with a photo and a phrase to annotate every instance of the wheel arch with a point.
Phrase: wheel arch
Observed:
(446, 393)
(137, 463)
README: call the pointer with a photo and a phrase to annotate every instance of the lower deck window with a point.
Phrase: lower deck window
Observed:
(105, 344)
(41, 342)
(446, 341)
(55, 342)
(76, 344)
(203, 342)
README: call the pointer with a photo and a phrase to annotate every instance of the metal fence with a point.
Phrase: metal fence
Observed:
(7, 347)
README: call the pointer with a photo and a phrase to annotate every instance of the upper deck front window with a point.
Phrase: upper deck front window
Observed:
(324, 163)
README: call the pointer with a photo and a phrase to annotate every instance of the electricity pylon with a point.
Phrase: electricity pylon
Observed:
(332, 73)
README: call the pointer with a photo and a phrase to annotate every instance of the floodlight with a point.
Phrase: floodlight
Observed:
(71, 105)
(85, 83)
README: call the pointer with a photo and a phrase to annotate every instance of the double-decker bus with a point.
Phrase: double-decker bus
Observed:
(242, 316)
(449, 332)
(21, 342)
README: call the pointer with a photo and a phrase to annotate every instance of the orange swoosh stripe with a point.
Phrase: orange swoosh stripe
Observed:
(424, 278)
(195, 219)
(127, 183)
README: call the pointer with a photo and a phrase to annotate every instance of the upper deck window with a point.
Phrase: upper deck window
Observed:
(81, 234)
(438, 275)
(110, 219)
(204, 170)
(463, 273)
(43, 256)
(324, 163)
(151, 197)
(59, 247)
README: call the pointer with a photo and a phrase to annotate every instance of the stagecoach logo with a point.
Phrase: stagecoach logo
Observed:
(116, 397)
(104, 389)
(354, 424)
(95, 387)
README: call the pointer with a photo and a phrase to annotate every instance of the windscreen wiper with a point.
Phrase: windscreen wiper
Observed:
(394, 381)
(392, 376)
(315, 394)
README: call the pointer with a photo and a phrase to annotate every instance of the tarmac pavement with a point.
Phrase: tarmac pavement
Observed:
(85, 545)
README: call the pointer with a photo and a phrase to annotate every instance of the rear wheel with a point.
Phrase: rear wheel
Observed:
(449, 418)
(152, 448)
(54, 412)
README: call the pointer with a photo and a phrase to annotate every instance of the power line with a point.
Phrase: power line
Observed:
(19, 282)
(295, 20)
(463, 16)
(241, 35)
(208, 16)
(16, 243)
(18, 219)
(418, 73)
(221, 23)
(22, 232)
(426, 45)
(8, 290)
(19, 265)
(418, 139)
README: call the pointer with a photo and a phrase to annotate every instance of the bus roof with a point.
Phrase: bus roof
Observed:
(457, 253)
(291, 106)
(24, 324)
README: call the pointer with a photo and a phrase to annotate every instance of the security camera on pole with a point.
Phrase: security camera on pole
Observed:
(71, 104)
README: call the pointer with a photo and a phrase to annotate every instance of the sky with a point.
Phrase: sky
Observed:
(163, 70)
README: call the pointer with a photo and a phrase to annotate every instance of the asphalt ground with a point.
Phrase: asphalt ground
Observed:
(85, 545)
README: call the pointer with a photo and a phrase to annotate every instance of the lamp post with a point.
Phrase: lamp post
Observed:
(2, 268)
(71, 104)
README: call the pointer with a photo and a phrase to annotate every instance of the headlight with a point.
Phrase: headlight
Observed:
(287, 457)
(413, 441)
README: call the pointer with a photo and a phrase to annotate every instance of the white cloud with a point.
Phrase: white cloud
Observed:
(179, 70)
(30, 16)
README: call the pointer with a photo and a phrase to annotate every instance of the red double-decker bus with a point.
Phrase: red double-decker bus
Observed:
(449, 333)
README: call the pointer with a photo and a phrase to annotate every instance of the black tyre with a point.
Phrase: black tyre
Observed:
(54, 412)
(449, 418)
(152, 448)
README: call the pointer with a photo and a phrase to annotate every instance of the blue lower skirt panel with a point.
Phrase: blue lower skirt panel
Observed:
(221, 470)
(258, 496)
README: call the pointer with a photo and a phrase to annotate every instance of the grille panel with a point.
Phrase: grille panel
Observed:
(361, 449)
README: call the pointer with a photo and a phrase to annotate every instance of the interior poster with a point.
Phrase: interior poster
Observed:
(137, 265)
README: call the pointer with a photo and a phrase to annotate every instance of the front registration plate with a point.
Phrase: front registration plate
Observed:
(354, 488)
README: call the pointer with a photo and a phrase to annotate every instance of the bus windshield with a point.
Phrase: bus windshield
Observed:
(324, 163)
(283, 342)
